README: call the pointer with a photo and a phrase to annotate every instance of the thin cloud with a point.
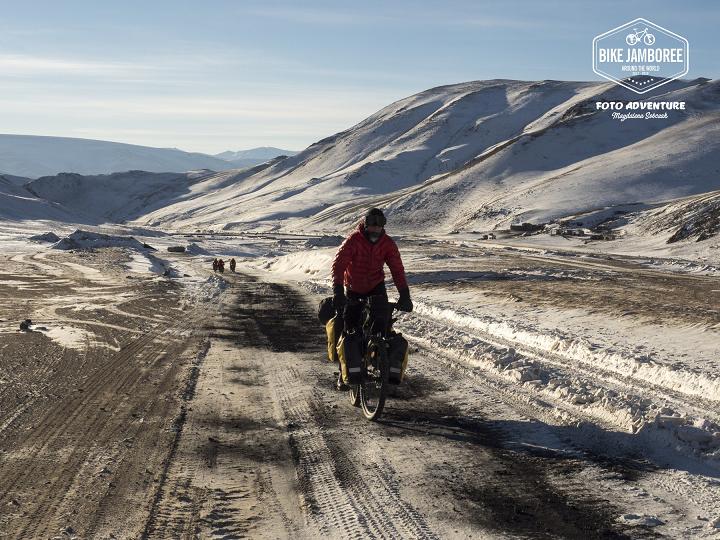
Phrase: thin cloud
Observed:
(495, 22)
(304, 15)
(336, 17)
(27, 65)
(156, 67)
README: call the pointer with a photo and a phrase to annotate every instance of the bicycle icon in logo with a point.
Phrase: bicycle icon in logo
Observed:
(636, 37)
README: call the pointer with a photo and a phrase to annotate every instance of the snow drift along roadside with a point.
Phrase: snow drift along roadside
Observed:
(578, 349)
(617, 387)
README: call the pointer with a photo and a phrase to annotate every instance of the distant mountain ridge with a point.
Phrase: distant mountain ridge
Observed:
(253, 156)
(33, 156)
(261, 152)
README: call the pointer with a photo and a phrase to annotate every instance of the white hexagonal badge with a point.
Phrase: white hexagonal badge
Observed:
(640, 55)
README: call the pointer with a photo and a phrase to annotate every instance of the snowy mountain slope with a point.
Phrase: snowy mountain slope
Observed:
(583, 163)
(191, 205)
(35, 156)
(403, 144)
(115, 197)
(19, 204)
(479, 154)
(692, 218)
(75, 198)
(10, 180)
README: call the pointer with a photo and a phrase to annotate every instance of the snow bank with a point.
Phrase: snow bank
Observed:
(143, 263)
(194, 249)
(199, 290)
(578, 349)
(324, 241)
(302, 265)
(82, 239)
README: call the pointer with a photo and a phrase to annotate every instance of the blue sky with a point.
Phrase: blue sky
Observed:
(217, 75)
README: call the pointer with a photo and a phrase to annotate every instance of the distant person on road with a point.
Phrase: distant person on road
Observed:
(221, 265)
(232, 265)
(215, 265)
(358, 268)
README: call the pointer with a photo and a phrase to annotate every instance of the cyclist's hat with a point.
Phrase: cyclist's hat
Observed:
(375, 216)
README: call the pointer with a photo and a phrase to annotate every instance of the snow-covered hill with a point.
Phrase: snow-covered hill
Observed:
(480, 155)
(75, 198)
(10, 180)
(18, 204)
(691, 218)
(111, 198)
(34, 156)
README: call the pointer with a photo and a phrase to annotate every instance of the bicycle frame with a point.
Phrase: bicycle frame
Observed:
(367, 319)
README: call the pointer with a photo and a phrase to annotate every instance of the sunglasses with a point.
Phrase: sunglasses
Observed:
(375, 220)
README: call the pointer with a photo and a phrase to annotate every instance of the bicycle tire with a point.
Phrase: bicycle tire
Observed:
(371, 412)
(354, 395)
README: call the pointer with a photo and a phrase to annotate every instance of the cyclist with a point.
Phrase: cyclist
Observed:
(358, 267)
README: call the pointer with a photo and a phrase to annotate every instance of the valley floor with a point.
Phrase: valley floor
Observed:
(546, 397)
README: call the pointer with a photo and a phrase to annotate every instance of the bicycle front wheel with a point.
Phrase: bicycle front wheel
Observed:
(373, 391)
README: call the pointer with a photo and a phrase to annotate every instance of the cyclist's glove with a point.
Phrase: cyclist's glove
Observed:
(338, 297)
(404, 303)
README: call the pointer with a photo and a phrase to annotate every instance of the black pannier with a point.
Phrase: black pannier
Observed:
(349, 349)
(398, 356)
(326, 310)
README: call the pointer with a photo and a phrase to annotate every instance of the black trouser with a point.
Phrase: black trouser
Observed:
(378, 310)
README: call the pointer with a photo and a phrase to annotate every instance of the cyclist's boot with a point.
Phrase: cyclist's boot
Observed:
(340, 385)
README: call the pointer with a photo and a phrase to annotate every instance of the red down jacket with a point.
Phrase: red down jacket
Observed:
(359, 263)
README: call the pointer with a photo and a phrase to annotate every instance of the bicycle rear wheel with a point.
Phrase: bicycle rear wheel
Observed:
(373, 390)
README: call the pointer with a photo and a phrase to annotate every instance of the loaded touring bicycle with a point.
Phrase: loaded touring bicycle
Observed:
(372, 358)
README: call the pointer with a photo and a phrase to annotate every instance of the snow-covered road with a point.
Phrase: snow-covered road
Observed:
(545, 396)
(626, 352)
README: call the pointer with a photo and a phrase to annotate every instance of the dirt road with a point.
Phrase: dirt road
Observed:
(270, 450)
(220, 421)
(85, 432)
